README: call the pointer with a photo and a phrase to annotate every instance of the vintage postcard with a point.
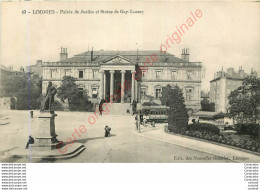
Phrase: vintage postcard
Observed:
(130, 82)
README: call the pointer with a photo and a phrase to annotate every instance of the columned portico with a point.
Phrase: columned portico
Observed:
(117, 83)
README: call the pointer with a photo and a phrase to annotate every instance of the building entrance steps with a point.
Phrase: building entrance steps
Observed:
(116, 108)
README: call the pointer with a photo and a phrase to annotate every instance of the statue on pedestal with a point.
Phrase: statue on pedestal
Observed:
(48, 105)
(48, 101)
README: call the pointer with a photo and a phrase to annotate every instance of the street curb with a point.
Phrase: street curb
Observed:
(140, 134)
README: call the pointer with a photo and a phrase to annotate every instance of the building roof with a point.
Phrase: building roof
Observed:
(236, 76)
(4, 67)
(100, 56)
(230, 75)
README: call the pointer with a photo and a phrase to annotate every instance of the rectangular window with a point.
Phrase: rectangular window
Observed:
(53, 74)
(174, 74)
(143, 93)
(158, 74)
(158, 93)
(94, 92)
(95, 74)
(189, 73)
(80, 92)
(188, 94)
(80, 74)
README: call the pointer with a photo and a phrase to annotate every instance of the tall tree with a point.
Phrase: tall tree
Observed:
(245, 101)
(69, 90)
(207, 106)
(26, 88)
(178, 118)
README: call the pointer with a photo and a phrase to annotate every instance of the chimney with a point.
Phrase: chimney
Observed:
(253, 73)
(185, 54)
(11, 68)
(219, 74)
(137, 53)
(63, 54)
(92, 55)
(241, 72)
(21, 69)
(39, 62)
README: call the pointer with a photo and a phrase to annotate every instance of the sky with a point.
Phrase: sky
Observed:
(226, 35)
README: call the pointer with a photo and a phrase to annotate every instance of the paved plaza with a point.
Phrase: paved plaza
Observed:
(125, 145)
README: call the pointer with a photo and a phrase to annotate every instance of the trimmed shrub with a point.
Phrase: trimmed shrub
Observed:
(215, 137)
(187, 133)
(233, 143)
(228, 142)
(220, 138)
(206, 136)
(204, 128)
(197, 134)
(249, 145)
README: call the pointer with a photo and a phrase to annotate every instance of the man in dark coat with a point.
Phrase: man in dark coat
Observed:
(107, 131)
(100, 106)
(30, 141)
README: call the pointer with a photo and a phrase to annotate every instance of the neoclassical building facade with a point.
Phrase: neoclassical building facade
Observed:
(100, 74)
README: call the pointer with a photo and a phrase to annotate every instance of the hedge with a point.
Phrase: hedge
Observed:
(204, 128)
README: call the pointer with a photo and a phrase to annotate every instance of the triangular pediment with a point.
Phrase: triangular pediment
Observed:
(118, 59)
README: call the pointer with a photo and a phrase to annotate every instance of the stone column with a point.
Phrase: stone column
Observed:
(111, 85)
(132, 87)
(122, 86)
(102, 85)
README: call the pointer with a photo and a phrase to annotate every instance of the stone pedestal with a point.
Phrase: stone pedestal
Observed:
(46, 147)
(44, 135)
